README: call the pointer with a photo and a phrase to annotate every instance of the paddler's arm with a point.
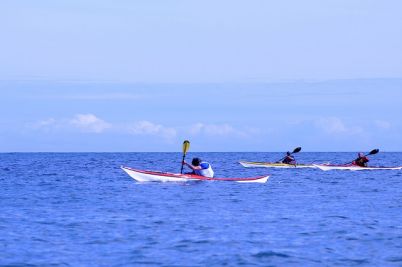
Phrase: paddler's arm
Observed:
(191, 166)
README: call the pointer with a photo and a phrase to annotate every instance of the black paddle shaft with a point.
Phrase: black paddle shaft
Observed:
(182, 165)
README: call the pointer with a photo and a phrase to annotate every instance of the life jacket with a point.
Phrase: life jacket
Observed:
(362, 161)
(206, 170)
(288, 160)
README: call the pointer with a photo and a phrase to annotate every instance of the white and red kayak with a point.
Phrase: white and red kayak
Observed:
(351, 167)
(153, 176)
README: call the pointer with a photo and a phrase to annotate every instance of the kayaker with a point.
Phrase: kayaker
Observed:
(289, 159)
(361, 160)
(200, 167)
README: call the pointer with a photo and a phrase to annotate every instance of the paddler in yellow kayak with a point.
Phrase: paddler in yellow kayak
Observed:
(200, 167)
(289, 159)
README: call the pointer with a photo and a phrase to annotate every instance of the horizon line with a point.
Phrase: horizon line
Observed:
(76, 152)
(295, 80)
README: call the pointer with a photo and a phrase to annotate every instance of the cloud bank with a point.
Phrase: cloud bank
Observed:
(90, 123)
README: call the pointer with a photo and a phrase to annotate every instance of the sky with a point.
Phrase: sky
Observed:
(227, 75)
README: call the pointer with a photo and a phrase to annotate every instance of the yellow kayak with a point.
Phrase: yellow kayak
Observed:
(250, 164)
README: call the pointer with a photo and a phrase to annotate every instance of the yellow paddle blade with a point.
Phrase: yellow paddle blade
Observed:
(186, 146)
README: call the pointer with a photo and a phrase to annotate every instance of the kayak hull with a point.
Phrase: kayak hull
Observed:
(352, 167)
(250, 164)
(152, 176)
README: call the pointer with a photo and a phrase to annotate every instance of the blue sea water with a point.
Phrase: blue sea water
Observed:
(81, 209)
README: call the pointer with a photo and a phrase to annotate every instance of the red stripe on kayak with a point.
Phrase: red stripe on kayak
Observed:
(356, 166)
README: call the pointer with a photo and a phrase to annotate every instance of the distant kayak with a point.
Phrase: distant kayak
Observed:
(249, 164)
(154, 176)
(351, 167)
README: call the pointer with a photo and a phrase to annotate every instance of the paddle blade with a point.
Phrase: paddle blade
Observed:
(296, 150)
(186, 146)
(374, 151)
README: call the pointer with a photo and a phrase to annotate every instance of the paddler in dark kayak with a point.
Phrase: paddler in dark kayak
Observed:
(361, 160)
(200, 167)
(289, 159)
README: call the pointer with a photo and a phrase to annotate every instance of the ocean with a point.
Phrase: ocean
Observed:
(81, 209)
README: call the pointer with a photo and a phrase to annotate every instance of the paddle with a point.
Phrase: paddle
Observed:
(186, 146)
(296, 150)
(372, 152)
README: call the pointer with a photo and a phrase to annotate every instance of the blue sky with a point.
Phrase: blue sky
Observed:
(228, 75)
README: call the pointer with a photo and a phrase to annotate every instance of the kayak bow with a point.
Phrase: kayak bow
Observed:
(351, 167)
(153, 176)
(249, 164)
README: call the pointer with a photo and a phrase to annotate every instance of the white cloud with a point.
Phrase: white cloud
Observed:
(89, 123)
(92, 124)
(334, 125)
(149, 128)
(382, 124)
(219, 129)
(44, 123)
(196, 128)
(103, 96)
(83, 122)
(211, 129)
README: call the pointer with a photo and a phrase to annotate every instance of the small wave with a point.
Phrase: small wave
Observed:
(394, 259)
(351, 238)
(21, 265)
(356, 261)
(268, 254)
(49, 174)
(337, 217)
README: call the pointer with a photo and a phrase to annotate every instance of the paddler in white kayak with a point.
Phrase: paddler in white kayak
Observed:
(361, 160)
(200, 167)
